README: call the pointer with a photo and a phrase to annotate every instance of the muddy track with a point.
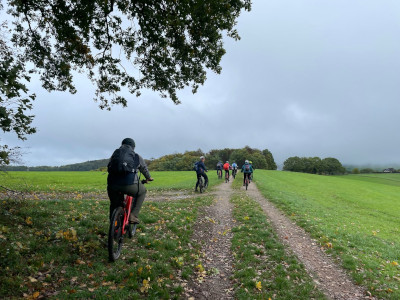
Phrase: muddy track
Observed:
(213, 232)
(330, 278)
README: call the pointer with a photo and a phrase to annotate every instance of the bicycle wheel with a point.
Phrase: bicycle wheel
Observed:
(201, 184)
(115, 237)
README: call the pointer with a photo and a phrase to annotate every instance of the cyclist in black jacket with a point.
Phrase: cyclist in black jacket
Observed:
(128, 183)
(201, 171)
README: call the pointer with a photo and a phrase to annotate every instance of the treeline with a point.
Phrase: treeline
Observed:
(85, 166)
(184, 161)
(314, 165)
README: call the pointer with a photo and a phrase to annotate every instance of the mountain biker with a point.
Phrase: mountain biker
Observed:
(234, 168)
(127, 182)
(252, 172)
(219, 167)
(247, 169)
(200, 171)
(227, 167)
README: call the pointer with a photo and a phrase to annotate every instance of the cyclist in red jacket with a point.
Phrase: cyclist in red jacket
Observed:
(227, 167)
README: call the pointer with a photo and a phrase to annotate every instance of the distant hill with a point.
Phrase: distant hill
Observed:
(374, 167)
(90, 165)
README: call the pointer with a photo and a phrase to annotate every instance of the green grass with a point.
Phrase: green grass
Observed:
(261, 259)
(58, 248)
(388, 179)
(355, 217)
(94, 181)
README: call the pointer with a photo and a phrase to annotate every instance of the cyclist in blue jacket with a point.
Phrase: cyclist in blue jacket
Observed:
(247, 169)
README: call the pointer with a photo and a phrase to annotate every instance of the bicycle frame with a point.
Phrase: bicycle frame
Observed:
(127, 211)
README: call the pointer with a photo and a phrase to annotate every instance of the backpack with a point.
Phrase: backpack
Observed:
(196, 166)
(123, 161)
(247, 168)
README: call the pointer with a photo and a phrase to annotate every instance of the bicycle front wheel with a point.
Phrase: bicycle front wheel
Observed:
(115, 237)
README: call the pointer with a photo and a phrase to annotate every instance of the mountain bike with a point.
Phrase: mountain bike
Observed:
(119, 226)
(226, 176)
(234, 171)
(201, 184)
(219, 172)
(246, 180)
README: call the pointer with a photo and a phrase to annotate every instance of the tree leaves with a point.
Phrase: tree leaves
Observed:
(158, 45)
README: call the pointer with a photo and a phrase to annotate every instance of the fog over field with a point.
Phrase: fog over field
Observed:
(307, 78)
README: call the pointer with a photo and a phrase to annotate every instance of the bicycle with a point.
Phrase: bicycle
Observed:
(201, 184)
(219, 172)
(234, 171)
(119, 226)
(226, 176)
(246, 180)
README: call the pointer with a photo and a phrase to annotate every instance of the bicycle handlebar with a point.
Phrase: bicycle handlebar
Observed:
(144, 181)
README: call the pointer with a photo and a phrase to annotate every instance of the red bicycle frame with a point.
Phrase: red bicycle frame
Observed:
(127, 212)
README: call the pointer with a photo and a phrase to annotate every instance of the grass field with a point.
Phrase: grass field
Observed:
(93, 181)
(355, 217)
(58, 249)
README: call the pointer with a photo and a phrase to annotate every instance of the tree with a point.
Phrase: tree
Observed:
(270, 159)
(332, 166)
(355, 171)
(162, 45)
(14, 99)
(170, 42)
(294, 164)
(366, 170)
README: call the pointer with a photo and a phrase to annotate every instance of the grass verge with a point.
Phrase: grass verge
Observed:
(58, 249)
(262, 267)
(355, 218)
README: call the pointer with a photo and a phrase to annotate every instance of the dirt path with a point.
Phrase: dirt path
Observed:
(328, 276)
(213, 232)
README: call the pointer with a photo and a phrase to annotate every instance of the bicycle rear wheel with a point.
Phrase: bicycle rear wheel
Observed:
(115, 238)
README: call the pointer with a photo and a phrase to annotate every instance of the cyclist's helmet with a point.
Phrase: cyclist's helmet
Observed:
(227, 162)
(128, 141)
(246, 161)
(250, 162)
(202, 157)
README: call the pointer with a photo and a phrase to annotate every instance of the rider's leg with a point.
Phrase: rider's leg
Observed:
(116, 199)
(138, 192)
(205, 178)
(197, 183)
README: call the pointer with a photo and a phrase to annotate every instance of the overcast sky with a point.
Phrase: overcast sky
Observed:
(308, 78)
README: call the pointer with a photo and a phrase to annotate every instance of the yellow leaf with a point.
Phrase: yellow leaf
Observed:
(394, 263)
(28, 221)
(140, 270)
(246, 218)
(258, 285)
(200, 268)
(35, 295)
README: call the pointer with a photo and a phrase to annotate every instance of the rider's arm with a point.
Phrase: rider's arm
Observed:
(143, 169)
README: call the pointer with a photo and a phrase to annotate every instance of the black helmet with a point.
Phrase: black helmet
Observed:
(129, 141)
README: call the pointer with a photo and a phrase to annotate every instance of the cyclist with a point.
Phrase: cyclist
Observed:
(219, 168)
(234, 168)
(227, 167)
(201, 171)
(126, 181)
(247, 169)
(252, 172)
